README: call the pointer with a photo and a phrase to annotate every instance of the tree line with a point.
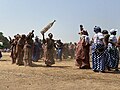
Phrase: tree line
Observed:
(4, 42)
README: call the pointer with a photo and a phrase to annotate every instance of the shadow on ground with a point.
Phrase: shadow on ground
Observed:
(4, 60)
(40, 65)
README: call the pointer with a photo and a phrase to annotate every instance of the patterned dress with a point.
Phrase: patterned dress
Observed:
(113, 52)
(49, 52)
(82, 53)
(36, 51)
(28, 47)
(13, 50)
(99, 53)
(19, 51)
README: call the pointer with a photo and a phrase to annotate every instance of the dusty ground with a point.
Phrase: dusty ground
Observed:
(62, 76)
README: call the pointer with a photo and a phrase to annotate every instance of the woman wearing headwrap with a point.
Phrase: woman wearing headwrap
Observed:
(82, 51)
(106, 41)
(19, 50)
(49, 50)
(99, 53)
(113, 52)
(106, 37)
(36, 49)
(28, 49)
(13, 43)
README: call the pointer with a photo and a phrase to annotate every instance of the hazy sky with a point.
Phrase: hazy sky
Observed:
(21, 16)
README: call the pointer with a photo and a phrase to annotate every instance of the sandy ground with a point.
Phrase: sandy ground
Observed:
(62, 76)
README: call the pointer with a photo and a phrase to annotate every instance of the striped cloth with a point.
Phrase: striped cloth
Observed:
(99, 59)
(114, 57)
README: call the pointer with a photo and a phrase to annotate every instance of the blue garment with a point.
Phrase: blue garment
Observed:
(36, 52)
(114, 57)
(99, 59)
(59, 53)
(59, 46)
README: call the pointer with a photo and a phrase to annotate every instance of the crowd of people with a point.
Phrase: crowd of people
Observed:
(25, 50)
(104, 49)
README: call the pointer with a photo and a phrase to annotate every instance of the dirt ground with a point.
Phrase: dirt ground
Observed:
(61, 76)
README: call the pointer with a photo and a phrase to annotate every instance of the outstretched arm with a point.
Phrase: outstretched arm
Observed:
(43, 38)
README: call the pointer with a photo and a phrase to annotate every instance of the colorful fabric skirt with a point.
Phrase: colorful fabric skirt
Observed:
(99, 59)
(113, 57)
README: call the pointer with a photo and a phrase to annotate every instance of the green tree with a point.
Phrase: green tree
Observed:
(5, 41)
